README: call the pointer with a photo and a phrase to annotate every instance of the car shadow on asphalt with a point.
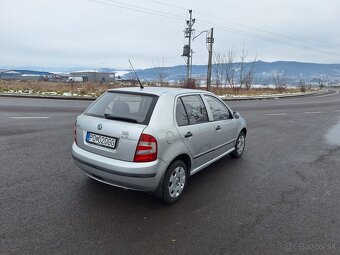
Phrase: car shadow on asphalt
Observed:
(203, 185)
(98, 191)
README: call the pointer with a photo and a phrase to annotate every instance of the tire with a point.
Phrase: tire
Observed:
(239, 146)
(175, 181)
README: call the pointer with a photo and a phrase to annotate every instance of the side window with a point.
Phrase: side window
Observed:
(181, 115)
(218, 109)
(195, 109)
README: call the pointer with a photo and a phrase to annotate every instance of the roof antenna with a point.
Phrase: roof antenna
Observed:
(140, 83)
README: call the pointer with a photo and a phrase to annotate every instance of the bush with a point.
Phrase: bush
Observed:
(191, 84)
(303, 89)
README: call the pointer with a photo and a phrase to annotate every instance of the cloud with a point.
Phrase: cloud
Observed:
(82, 32)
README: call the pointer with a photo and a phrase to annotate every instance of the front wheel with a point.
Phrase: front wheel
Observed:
(174, 182)
(239, 146)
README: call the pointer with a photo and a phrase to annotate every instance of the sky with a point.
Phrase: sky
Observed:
(106, 33)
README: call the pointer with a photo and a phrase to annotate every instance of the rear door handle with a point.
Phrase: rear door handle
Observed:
(189, 134)
(218, 127)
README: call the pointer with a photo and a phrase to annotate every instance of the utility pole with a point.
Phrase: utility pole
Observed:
(187, 51)
(210, 41)
(191, 63)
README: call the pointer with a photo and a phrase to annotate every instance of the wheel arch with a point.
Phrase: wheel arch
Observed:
(186, 159)
(244, 130)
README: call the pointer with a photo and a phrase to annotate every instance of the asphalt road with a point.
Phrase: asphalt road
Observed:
(281, 197)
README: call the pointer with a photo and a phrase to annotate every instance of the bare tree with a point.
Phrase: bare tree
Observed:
(302, 84)
(322, 81)
(248, 73)
(162, 72)
(249, 78)
(219, 67)
(280, 80)
(246, 67)
(230, 70)
(243, 56)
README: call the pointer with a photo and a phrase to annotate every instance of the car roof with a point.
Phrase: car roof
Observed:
(158, 90)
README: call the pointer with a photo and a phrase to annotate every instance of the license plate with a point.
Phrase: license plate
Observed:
(101, 140)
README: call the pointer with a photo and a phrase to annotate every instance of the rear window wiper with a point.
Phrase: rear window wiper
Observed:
(112, 117)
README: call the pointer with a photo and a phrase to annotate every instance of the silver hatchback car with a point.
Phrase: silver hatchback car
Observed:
(153, 139)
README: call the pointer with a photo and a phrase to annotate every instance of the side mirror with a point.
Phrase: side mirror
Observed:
(236, 115)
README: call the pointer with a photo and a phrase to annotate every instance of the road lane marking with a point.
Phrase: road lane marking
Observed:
(327, 95)
(26, 117)
(337, 111)
(275, 114)
(309, 96)
(311, 112)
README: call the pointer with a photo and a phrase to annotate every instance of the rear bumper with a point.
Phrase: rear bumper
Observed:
(129, 175)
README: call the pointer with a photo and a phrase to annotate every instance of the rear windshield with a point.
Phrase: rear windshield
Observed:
(122, 106)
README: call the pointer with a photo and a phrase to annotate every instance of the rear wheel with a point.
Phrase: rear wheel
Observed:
(174, 182)
(239, 146)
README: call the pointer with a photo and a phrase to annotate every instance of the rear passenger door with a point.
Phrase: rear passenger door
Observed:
(194, 127)
(225, 126)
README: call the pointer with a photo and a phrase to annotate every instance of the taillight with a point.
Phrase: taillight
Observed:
(75, 132)
(146, 150)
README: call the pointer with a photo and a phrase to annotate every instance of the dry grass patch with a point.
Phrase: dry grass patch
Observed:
(256, 91)
(58, 88)
(96, 89)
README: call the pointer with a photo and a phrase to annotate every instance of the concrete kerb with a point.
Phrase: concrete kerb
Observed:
(89, 98)
(275, 96)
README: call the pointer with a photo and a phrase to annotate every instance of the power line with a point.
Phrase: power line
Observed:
(209, 24)
(146, 9)
(244, 33)
(137, 9)
(264, 38)
(242, 25)
(170, 5)
(258, 29)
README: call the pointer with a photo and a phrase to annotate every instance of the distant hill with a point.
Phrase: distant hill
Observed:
(55, 69)
(299, 68)
(32, 72)
(263, 71)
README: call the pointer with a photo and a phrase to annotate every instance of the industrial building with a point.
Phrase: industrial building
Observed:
(94, 76)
